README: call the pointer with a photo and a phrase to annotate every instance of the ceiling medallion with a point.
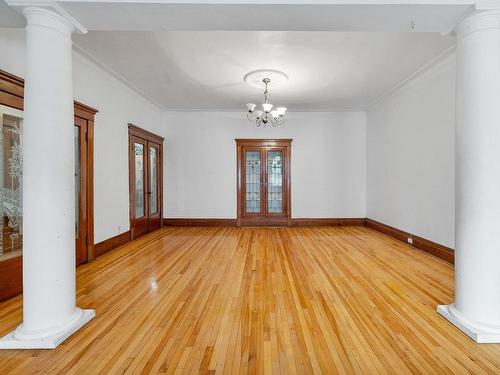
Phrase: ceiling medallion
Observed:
(267, 115)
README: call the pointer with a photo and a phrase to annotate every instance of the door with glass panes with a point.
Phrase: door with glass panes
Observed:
(264, 182)
(145, 165)
(11, 194)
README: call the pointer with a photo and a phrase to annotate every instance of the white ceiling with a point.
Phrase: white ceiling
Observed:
(205, 69)
(193, 55)
(291, 15)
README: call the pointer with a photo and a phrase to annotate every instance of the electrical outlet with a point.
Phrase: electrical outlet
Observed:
(410, 240)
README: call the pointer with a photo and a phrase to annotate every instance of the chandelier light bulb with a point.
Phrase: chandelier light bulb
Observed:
(267, 107)
(281, 111)
(251, 106)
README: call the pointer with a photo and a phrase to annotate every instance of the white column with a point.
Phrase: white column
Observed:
(49, 311)
(476, 310)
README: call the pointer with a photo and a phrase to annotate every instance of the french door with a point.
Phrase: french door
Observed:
(145, 171)
(84, 182)
(263, 182)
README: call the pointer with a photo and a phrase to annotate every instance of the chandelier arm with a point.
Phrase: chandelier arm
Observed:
(274, 121)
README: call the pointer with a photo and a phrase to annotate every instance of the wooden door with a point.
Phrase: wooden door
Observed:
(146, 182)
(263, 182)
(80, 130)
(12, 100)
(154, 192)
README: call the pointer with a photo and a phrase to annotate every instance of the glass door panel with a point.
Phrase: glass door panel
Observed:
(78, 180)
(79, 139)
(275, 181)
(11, 177)
(139, 180)
(252, 181)
(153, 180)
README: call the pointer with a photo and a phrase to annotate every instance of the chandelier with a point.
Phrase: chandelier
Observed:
(266, 115)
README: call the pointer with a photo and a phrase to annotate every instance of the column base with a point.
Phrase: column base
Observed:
(48, 339)
(480, 333)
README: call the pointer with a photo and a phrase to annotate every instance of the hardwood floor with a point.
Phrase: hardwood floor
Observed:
(260, 300)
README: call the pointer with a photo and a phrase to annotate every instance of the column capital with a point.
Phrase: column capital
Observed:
(52, 14)
(478, 21)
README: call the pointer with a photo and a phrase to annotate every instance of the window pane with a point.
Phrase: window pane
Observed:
(153, 169)
(77, 180)
(252, 181)
(11, 177)
(275, 182)
(139, 180)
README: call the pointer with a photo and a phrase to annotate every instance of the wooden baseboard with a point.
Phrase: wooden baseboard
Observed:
(187, 222)
(300, 222)
(112, 243)
(398, 234)
(433, 248)
(308, 222)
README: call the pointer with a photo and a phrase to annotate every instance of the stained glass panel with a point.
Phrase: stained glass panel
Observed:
(78, 178)
(252, 181)
(139, 179)
(11, 178)
(153, 168)
(275, 182)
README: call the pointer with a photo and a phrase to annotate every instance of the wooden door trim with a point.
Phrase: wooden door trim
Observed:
(88, 113)
(148, 137)
(145, 134)
(241, 145)
(263, 142)
(11, 90)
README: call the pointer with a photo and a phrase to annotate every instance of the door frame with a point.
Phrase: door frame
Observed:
(135, 132)
(87, 114)
(12, 95)
(263, 144)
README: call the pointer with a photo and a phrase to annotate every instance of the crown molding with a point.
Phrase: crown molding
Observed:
(488, 4)
(236, 110)
(414, 76)
(50, 5)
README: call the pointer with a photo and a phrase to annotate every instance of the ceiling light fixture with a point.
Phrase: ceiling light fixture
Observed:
(266, 115)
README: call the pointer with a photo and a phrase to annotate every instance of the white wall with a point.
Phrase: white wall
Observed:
(410, 151)
(328, 170)
(118, 105)
(328, 151)
(398, 169)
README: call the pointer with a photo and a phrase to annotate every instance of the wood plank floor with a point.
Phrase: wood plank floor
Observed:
(289, 300)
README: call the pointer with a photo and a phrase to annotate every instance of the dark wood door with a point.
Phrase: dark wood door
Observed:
(154, 192)
(138, 184)
(263, 182)
(146, 182)
(80, 185)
